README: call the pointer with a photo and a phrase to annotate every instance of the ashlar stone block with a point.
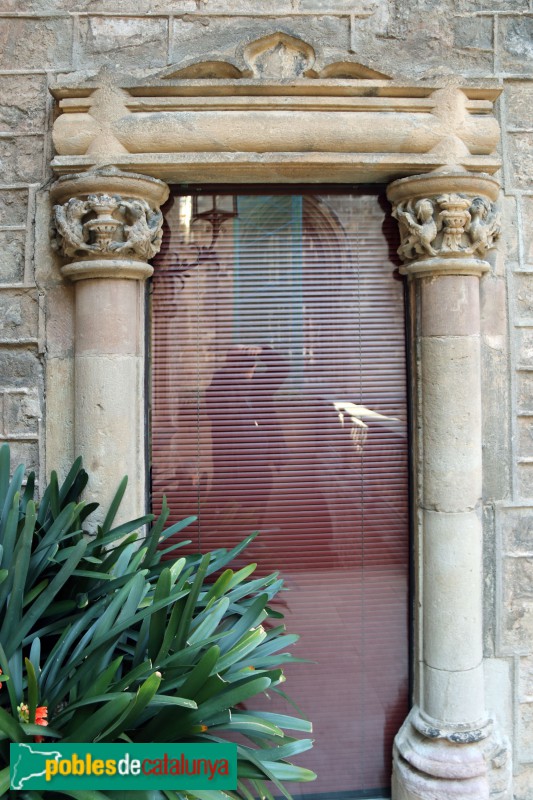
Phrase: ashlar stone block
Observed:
(526, 229)
(19, 368)
(13, 206)
(35, 43)
(22, 159)
(127, 42)
(518, 603)
(523, 296)
(202, 36)
(22, 412)
(524, 390)
(521, 150)
(11, 256)
(18, 315)
(516, 44)
(22, 103)
(519, 104)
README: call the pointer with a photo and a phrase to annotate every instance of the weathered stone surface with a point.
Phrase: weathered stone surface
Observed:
(525, 439)
(525, 688)
(124, 42)
(419, 40)
(18, 314)
(516, 529)
(473, 33)
(203, 36)
(330, 6)
(522, 783)
(59, 305)
(19, 367)
(493, 302)
(22, 158)
(22, 103)
(471, 6)
(524, 392)
(524, 474)
(510, 230)
(59, 420)
(22, 412)
(496, 418)
(523, 294)
(499, 691)
(13, 206)
(141, 6)
(524, 346)
(26, 453)
(452, 430)
(516, 44)
(437, 297)
(526, 229)
(249, 7)
(11, 256)
(27, 43)
(519, 104)
(525, 728)
(518, 597)
(521, 150)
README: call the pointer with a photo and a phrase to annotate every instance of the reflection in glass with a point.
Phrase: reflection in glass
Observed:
(278, 405)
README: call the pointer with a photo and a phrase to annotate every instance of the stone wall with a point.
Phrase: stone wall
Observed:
(411, 39)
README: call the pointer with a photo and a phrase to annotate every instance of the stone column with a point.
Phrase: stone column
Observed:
(448, 747)
(108, 224)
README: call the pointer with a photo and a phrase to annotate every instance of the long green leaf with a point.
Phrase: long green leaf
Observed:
(159, 619)
(115, 503)
(45, 598)
(20, 574)
(33, 689)
(185, 622)
(11, 727)
(91, 728)
(4, 780)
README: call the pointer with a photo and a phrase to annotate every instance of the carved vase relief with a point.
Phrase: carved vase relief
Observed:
(447, 225)
(105, 224)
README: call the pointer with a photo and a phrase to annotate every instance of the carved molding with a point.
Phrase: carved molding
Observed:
(274, 111)
(277, 56)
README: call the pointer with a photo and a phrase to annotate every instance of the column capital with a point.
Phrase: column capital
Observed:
(107, 222)
(447, 220)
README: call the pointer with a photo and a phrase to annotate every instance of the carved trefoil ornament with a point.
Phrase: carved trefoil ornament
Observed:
(447, 225)
(105, 224)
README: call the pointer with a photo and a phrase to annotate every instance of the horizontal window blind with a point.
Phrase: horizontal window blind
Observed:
(279, 405)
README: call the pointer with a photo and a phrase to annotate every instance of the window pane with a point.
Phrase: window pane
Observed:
(279, 405)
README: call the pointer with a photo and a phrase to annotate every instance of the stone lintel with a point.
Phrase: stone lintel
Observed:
(271, 168)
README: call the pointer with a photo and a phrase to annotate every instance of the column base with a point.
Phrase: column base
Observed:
(436, 762)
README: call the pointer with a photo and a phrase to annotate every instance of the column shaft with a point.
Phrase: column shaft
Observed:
(449, 747)
(108, 224)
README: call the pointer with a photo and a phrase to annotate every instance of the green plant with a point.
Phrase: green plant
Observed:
(117, 644)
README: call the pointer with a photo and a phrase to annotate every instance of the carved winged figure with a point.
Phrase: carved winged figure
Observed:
(71, 236)
(484, 227)
(418, 227)
(144, 234)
